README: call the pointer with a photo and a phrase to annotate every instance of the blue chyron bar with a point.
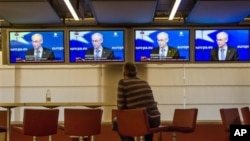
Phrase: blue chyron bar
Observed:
(239, 132)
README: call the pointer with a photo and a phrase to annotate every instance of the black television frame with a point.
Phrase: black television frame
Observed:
(6, 49)
(225, 28)
(92, 62)
(171, 61)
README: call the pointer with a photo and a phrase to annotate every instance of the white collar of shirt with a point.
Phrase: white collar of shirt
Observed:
(165, 50)
(40, 50)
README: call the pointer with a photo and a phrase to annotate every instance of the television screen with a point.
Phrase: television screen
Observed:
(162, 45)
(222, 45)
(87, 46)
(36, 47)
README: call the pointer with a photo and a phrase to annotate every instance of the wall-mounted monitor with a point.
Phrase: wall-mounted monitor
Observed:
(97, 46)
(36, 46)
(161, 45)
(222, 45)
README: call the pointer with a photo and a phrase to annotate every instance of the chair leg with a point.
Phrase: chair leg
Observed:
(174, 136)
(34, 138)
(160, 136)
(91, 138)
(50, 138)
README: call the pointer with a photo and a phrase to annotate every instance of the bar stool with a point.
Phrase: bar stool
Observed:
(184, 121)
(230, 116)
(39, 122)
(82, 122)
(245, 112)
(3, 124)
(134, 123)
(3, 120)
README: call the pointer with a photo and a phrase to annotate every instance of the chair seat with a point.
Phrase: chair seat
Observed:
(179, 129)
(184, 121)
(3, 129)
(161, 128)
(134, 123)
(18, 129)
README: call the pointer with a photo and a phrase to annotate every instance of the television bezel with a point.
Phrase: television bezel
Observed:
(219, 28)
(163, 29)
(7, 57)
(99, 29)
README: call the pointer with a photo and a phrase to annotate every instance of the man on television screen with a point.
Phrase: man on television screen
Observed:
(224, 52)
(38, 52)
(98, 51)
(163, 50)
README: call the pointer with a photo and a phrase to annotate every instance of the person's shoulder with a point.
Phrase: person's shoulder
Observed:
(106, 49)
(30, 51)
(47, 49)
(172, 48)
(231, 48)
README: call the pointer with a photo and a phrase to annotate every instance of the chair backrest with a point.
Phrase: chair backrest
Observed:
(245, 112)
(40, 122)
(185, 120)
(82, 122)
(132, 122)
(3, 117)
(230, 116)
(3, 120)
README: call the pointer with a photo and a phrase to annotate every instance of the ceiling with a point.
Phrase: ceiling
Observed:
(14, 13)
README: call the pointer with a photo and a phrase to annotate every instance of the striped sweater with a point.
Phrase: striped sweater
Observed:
(136, 93)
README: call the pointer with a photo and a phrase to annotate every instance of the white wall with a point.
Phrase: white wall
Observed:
(205, 86)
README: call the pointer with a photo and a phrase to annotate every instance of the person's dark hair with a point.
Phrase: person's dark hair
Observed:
(130, 69)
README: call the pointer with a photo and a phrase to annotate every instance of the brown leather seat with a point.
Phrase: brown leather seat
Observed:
(39, 122)
(245, 112)
(134, 123)
(229, 117)
(184, 121)
(82, 122)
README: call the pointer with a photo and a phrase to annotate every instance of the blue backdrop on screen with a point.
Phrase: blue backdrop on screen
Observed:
(80, 41)
(146, 40)
(205, 41)
(20, 42)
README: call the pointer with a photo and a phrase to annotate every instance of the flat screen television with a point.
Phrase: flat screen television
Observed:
(148, 44)
(25, 46)
(96, 46)
(207, 42)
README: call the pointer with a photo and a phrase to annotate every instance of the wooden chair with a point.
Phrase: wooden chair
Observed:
(82, 122)
(134, 123)
(245, 112)
(39, 122)
(184, 121)
(3, 121)
(230, 116)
